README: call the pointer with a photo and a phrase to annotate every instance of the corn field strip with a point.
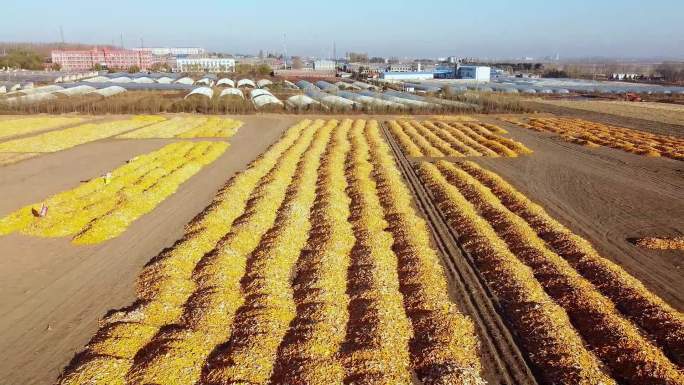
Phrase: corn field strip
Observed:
(54, 141)
(168, 287)
(542, 327)
(613, 339)
(660, 321)
(17, 127)
(220, 306)
(438, 139)
(104, 207)
(186, 128)
(592, 134)
(505, 362)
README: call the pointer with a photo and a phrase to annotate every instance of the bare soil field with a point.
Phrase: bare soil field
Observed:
(54, 292)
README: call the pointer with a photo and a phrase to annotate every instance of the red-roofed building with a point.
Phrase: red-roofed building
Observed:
(83, 60)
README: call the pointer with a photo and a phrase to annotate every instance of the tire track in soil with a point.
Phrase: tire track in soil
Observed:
(502, 361)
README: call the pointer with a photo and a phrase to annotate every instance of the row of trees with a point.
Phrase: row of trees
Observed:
(22, 58)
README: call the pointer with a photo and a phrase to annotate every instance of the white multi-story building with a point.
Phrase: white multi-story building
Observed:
(172, 51)
(479, 73)
(324, 65)
(207, 64)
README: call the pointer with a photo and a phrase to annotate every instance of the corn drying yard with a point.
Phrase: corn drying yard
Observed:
(176, 249)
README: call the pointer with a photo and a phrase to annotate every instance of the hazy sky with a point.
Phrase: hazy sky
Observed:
(419, 28)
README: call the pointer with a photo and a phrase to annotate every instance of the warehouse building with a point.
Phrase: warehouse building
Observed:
(207, 64)
(479, 73)
(324, 65)
(83, 60)
(172, 51)
(401, 76)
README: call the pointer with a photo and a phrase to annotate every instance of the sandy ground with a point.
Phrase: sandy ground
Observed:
(53, 292)
(606, 196)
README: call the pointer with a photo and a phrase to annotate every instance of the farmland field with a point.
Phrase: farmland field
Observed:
(659, 112)
(375, 250)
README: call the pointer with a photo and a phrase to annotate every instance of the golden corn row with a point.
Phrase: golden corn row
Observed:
(405, 142)
(445, 346)
(214, 127)
(308, 354)
(434, 139)
(425, 146)
(543, 327)
(596, 134)
(209, 312)
(494, 144)
(632, 358)
(74, 209)
(167, 129)
(268, 309)
(467, 141)
(376, 345)
(452, 140)
(96, 211)
(491, 128)
(509, 143)
(662, 322)
(167, 283)
(23, 126)
(69, 137)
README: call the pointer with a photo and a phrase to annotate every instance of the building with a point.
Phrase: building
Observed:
(404, 67)
(324, 65)
(479, 73)
(401, 76)
(172, 51)
(205, 64)
(83, 60)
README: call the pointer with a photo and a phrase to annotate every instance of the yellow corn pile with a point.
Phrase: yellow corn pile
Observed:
(104, 207)
(23, 126)
(451, 138)
(69, 137)
(187, 127)
(289, 277)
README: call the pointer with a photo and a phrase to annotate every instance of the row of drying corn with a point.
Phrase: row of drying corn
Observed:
(170, 291)
(454, 139)
(262, 321)
(310, 347)
(378, 331)
(24, 126)
(596, 134)
(612, 338)
(613, 341)
(187, 127)
(53, 141)
(542, 326)
(104, 207)
(445, 346)
(662, 323)
(214, 127)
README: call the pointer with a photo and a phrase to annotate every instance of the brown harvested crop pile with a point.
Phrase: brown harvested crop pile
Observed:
(661, 243)
(594, 134)
(609, 309)
(451, 138)
(310, 267)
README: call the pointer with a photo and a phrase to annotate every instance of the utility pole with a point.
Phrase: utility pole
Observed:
(142, 42)
(61, 33)
(285, 49)
(121, 37)
(335, 56)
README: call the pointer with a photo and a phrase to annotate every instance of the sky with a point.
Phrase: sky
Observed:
(418, 28)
